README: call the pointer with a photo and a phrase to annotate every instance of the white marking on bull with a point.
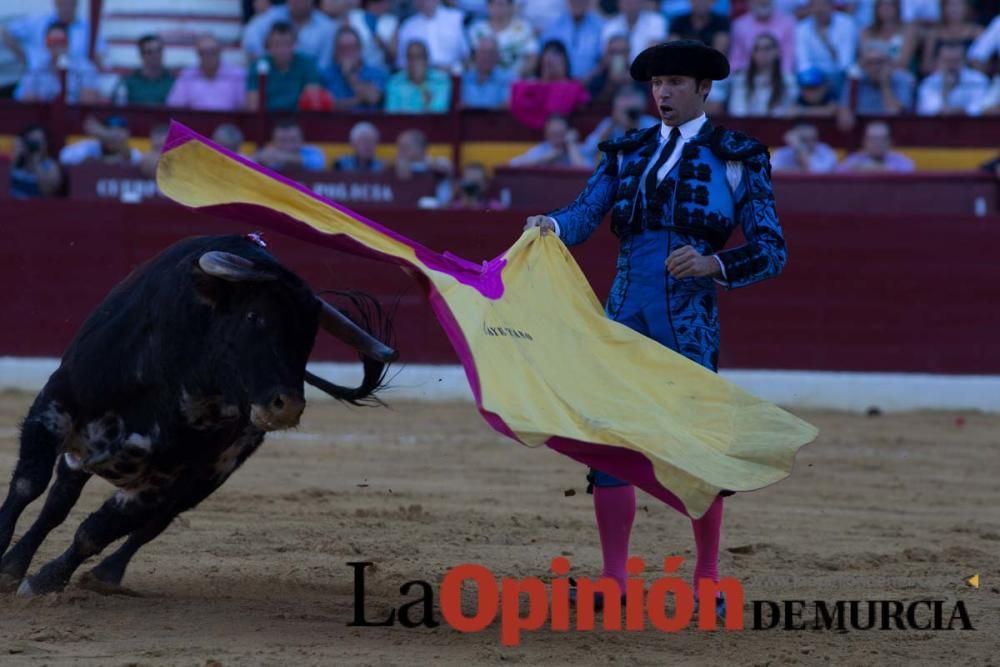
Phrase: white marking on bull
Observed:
(139, 441)
(72, 462)
(56, 421)
(125, 496)
(24, 590)
(97, 430)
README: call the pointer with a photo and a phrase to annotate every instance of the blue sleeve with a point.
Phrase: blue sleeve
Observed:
(763, 255)
(579, 220)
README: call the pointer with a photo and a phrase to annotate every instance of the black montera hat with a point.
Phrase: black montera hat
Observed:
(683, 57)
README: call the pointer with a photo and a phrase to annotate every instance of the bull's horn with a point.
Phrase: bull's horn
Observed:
(232, 267)
(336, 323)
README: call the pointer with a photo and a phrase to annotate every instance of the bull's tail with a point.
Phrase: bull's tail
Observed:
(374, 319)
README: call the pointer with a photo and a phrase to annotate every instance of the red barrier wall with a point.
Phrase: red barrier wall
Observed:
(865, 293)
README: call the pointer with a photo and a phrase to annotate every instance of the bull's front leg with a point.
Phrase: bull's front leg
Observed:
(43, 433)
(62, 496)
(107, 576)
(118, 516)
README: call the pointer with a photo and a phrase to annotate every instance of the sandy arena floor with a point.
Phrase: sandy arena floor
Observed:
(891, 507)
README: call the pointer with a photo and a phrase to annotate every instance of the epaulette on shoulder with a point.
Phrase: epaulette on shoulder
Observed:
(629, 141)
(733, 145)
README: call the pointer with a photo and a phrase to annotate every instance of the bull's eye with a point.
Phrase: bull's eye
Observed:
(255, 319)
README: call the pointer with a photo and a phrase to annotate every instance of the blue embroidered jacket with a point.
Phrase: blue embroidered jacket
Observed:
(696, 204)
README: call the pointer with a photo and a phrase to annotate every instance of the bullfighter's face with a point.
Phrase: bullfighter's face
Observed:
(679, 98)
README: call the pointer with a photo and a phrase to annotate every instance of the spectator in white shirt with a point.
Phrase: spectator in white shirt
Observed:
(953, 88)
(513, 35)
(643, 28)
(827, 40)
(441, 29)
(803, 152)
(108, 143)
(314, 31)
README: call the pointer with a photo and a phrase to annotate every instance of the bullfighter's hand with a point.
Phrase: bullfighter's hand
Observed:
(542, 222)
(685, 262)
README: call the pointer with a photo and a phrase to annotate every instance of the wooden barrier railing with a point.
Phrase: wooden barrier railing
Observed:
(860, 292)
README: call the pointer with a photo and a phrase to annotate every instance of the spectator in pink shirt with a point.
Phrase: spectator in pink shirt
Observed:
(212, 85)
(762, 18)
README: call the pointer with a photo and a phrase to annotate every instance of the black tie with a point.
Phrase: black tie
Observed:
(667, 151)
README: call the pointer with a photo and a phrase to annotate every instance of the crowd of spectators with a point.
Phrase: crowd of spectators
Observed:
(540, 59)
(928, 57)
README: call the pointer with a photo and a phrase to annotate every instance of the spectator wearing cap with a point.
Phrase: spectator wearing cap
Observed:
(804, 153)
(641, 27)
(486, 85)
(876, 86)
(762, 17)
(579, 30)
(703, 24)
(211, 85)
(150, 84)
(561, 147)
(875, 153)
(953, 88)
(516, 41)
(364, 140)
(288, 150)
(816, 98)
(108, 143)
(313, 31)
(289, 74)
(440, 29)
(28, 36)
(229, 137)
(956, 26)
(353, 83)
(764, 88)
(827, 40)
(41, 83)
(419, 88)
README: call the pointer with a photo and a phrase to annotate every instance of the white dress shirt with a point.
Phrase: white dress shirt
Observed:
(811, 51)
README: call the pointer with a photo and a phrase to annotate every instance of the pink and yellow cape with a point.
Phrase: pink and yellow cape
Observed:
(545, 365)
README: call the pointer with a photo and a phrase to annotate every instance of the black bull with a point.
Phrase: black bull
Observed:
(169, 385)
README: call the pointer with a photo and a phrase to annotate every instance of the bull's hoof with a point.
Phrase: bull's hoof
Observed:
(33, 586)
(93, 582)
(8, 584)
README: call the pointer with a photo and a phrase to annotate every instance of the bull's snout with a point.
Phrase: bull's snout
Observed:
(283, 409)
